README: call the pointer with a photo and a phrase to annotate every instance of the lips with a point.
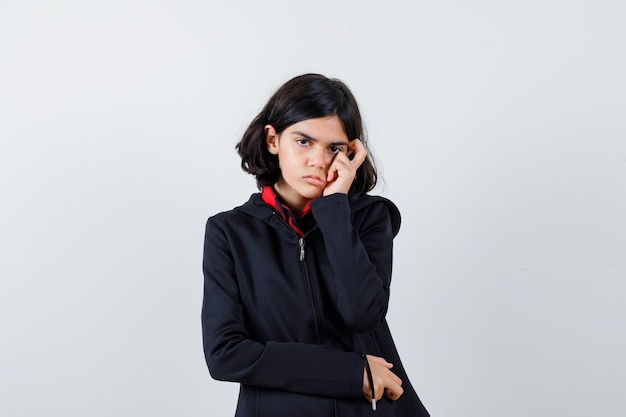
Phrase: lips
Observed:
(314, 180)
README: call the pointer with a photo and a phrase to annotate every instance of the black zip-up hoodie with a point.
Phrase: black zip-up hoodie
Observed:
(290, 318)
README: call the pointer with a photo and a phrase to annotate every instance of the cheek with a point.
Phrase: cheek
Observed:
(330, 158)
(294, 159)
(287, 164)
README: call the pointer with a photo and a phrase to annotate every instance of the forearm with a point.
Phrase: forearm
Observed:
(360, 260)
(296, 367)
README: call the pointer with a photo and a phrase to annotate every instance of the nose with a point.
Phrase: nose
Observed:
(317, 157)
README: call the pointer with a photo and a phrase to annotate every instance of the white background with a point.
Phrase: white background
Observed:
(500, 129)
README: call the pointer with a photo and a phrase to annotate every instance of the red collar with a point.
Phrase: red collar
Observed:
(271, 199)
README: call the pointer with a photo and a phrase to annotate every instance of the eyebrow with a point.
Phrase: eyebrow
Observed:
(311, 138)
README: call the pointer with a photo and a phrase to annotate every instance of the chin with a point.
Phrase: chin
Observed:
(312, 195)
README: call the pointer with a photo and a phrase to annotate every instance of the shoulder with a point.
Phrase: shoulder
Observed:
(376, 207)
(253, 208)
(366, 200)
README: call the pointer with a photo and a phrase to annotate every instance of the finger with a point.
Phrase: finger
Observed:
(355, 145)
(395, 393)
(382, 361)
(393, 389)
(332, 171)
(379, 391)
(390, 388)
(389, 394)
(359, 152)
(340, 167)
(382, 382)
(342, 158)
(393, 378)
(396, 379)
(367, 396)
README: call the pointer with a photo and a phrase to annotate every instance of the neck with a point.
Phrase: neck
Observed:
(295, 203)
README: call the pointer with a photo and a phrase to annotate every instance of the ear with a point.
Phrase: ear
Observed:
(271, 139)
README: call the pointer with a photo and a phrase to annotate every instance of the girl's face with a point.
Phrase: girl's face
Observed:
(305, 150)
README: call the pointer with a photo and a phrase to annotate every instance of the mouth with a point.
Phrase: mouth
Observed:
(314, 180)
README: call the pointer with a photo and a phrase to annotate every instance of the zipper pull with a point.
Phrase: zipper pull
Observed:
(301, 241)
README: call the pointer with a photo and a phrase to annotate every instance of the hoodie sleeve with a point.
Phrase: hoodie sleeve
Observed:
(232, 355)
(361, 259)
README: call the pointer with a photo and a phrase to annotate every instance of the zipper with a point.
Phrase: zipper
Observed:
(301, 242)
(317, 317)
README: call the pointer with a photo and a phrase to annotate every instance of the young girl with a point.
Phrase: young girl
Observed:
(296, 280)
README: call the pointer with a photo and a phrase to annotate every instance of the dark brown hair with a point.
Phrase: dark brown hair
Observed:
(304, 97)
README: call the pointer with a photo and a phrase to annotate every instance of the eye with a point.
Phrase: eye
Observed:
(335, 149)
(303, 142)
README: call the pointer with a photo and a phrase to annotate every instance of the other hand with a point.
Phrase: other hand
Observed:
(385, 382)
